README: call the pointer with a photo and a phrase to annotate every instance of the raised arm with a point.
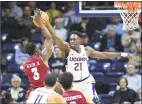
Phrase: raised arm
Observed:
(64, 46)
(104, 55)
(47, 46)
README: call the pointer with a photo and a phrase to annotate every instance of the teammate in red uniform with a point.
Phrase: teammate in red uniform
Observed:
(36, 67)
(72, 96)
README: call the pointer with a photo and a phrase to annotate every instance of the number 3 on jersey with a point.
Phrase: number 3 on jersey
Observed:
(78, 66)
(36, 74)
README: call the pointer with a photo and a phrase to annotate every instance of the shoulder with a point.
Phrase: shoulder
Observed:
(88, 48)
(131, 91)
(139, 76)
(55, 96)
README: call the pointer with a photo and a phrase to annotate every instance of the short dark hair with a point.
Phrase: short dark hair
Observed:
(76, 33)
(66, 80)
(50, 80)
(30, 48)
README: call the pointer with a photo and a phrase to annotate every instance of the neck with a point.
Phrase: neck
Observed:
(15, 88)
(68, 90)
(123, 89)
(77, 49)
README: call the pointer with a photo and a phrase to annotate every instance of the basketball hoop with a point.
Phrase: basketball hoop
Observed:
(129, 12)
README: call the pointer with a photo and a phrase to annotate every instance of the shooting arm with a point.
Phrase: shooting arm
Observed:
(64, 46)
(47, 46)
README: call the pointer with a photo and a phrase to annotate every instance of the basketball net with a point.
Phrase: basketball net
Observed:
(129, 12)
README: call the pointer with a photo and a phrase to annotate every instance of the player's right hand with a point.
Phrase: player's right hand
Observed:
(37, 15)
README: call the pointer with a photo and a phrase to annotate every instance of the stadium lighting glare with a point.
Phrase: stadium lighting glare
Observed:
(106, 65)
(125, 65)
(16, 46)
(3, 38)
(8, 57)
(97, 45)
(21, 67)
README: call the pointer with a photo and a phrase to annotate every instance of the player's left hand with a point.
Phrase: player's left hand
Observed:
(127, 55)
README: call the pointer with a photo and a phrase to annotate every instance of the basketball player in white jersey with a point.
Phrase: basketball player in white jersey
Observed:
(77, 56)
(46, 95)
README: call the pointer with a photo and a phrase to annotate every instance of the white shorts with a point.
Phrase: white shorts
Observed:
(86, 87)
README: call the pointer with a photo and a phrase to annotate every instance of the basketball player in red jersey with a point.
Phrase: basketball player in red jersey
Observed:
(72, 96)
(36, 67)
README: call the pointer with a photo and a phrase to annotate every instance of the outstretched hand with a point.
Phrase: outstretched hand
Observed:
(37, 15)
(128, 55)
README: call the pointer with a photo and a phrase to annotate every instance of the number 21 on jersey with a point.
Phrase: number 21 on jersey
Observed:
(36, 74)
(78, 66)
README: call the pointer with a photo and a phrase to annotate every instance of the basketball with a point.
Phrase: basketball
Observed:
(44, 19)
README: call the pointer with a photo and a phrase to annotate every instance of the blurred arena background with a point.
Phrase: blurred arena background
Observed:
(17, 29)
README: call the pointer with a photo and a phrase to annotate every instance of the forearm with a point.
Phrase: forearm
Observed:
(60, 43)
(111, 54)
(45, 32)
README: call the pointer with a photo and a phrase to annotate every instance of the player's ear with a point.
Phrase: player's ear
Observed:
(38, 50)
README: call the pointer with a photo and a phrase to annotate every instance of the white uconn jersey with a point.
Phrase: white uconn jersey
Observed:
(39, 96)
(77, 64)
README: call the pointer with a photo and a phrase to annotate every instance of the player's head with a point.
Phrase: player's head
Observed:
(32, 49)
(51, 80)
(66, 80)
(75, 39)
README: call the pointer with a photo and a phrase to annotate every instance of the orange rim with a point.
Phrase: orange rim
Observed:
(129, 5)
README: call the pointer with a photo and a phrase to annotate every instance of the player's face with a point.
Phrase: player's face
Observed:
(74, 41)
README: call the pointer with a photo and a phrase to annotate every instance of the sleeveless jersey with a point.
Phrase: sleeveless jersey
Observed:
(74, 97)
(39, 96)
(77, 64)
(36, 71)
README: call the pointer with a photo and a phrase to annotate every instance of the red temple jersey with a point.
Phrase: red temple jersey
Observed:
(74, 97)
(36, 70)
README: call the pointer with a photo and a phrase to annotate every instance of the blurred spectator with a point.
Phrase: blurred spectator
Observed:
(111, 42)
(117, 25)
(19, 31)
(83, 25)
(139, 97)
(6, 98)
(65, 20)
(7, 21)
(20, 55)
(57, 64)
(71, 13)
(129, 40)
(62, 32)
(124, 94)
(16, 11)
(84, 39)
(52, 12)
(3, 64)
(17, 93)
(134, 79)
(136, 60)
(27, 19)
(32, 5)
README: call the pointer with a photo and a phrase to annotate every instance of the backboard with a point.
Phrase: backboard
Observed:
(96, 9)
